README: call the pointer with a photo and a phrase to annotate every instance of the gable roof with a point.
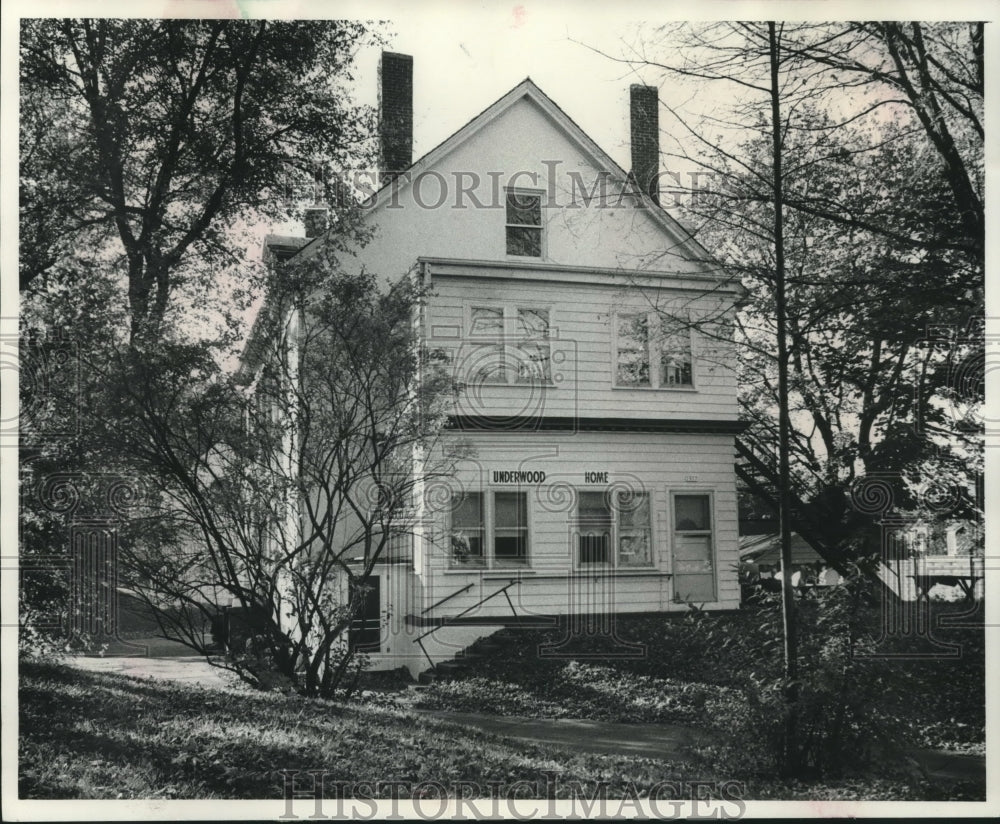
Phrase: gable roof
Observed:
(527, 89)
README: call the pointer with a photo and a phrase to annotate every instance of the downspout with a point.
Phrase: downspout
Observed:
(418, 531)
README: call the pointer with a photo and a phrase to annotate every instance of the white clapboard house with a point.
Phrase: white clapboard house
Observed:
(602, 476)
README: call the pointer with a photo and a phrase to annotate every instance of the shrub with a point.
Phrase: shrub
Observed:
(36, 642)
(842, 725)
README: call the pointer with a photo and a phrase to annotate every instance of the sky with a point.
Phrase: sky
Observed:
(463, 63)
(465, 60)
(468, 54)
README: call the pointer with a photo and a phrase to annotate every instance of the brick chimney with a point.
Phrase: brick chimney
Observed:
(315, 219)
(645, 112)
(395, 109)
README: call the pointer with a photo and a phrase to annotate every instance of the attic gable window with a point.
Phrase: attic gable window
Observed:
(524, 223)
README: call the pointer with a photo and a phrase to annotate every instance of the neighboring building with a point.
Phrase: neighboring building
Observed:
(602, 479)
(760, 560)
(943, 560)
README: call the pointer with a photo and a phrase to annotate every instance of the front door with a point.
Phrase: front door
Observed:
(365, 633)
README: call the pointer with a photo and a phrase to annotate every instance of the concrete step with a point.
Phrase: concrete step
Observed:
(452, 667)
(477, 651)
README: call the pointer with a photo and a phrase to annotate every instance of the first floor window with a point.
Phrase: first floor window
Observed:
(510, 528)
(489, 529)
(594, 524)
(635, 546)
(614, 529)
(467, 529)
(694, 571)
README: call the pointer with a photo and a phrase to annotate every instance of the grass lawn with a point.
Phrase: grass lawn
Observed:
(94, 735)
(100, 736)
(695, 669)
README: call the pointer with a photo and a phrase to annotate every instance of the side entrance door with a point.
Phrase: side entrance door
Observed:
(365, 633)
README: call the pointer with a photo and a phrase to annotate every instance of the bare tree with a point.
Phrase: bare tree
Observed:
(293, 483)
(876, 251)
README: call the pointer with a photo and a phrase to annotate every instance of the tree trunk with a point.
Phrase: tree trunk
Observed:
(790, 752)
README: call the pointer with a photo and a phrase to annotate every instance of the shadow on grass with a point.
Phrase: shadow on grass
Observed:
(88, 735)
(81, 732)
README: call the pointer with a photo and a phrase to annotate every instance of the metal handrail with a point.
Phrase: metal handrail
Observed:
(447, 598)
(453, 618)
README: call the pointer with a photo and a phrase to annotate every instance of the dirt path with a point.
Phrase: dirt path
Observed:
(188, 669)
(664, 741)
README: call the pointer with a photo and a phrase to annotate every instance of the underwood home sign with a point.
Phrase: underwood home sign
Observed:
(537, 476)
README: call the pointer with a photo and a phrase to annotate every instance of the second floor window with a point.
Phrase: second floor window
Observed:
(508, 345)
(524, 223)
(652, 351)
(531, 344)
(488, 363)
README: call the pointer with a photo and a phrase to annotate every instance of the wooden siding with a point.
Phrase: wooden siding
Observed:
(553, 582)
(581, 320)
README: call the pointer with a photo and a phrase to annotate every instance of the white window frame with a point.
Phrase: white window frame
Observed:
(491, 506)
(483, 534)
(653, 353)
(489, 533)
(614, 562)
(540, 194)
(712, 534)
(509, 339)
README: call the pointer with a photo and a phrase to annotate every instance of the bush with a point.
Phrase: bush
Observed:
(40, 638)
(35, 642)
(841, 718)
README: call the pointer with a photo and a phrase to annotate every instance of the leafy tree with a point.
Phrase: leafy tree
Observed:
(880, 243)
(935, 70)
(148, 148)
(152, 141)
